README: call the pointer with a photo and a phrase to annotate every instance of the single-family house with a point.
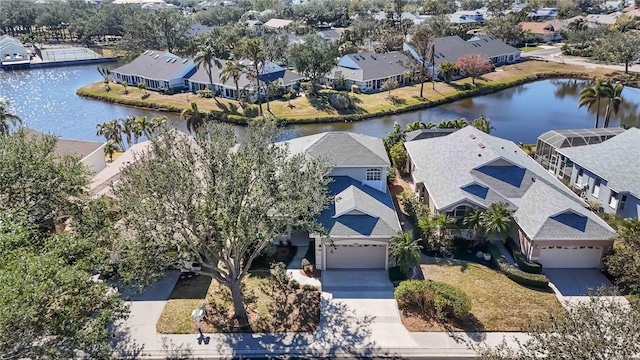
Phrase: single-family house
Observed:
(543, 31)
(157, 69)
(452, 48)
(467, 17)
(604, 19)
(369, 70)
(90, 153)
(294, 39)
(329, 34)
(543, 13)
(608, 172)
(12, 52)
(271, 72)
(277, 24)
(362, 219)
(469, 169)
(415, 17)
(549, 142)
(198, 29)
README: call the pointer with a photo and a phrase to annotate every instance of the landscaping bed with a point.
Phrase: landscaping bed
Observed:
(270, 309)
(497, 303)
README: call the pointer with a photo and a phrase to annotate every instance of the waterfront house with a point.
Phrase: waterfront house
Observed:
(90, 153)
(158, 69)
(452, 48)
(271, 72)
(544, 31)
(469, 169)
(13, 53)
(362, 218)
(370, 70)
(608, 172)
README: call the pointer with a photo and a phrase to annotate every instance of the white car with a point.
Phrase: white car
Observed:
(191, 267)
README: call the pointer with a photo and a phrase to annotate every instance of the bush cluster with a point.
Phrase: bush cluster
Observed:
(251, 111)
(414, 207)
(433, 298)
(523, 263)
(340, 101)
(533, 280)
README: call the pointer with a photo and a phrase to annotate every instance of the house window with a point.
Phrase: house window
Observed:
(613, 199)
(623, 202)
(459, 212)
(374, 174)
(596, 188)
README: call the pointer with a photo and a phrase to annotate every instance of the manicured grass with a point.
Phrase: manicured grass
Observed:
(497, 303)
(272, 310)
(312, 109)
(530, 48)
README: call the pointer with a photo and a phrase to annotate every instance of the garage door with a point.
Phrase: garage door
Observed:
(570, 257)
(356, 256)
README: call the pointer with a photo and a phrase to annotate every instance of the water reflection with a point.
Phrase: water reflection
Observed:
(46, 100)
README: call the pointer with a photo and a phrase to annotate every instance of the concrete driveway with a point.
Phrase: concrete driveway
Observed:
(362, 303)
(573, 285)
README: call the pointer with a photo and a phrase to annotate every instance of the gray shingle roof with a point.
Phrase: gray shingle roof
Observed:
(449, 163)
(452, 48)
(201, 76)
(80, 148)
(543, 215)
(373, 213)
(615, 160)
(342, 149)
(372, 66)
(152, 64)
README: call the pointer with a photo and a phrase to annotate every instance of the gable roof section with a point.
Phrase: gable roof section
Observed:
(378, 218)
(615, 160)
(80, 148)
(342, 149)
(155, 64)
(448, 164)
(543, 215)
(491, 46)
(427, 134)
(452, 48)
(370, 66)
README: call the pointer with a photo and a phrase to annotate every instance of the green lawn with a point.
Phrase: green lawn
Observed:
(497, 303)
(530, 48)
(270, 310)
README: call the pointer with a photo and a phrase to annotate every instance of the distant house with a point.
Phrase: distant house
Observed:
(91, 153)
(369, 70)
(362, 218)
(608, 172)
(329, 34)
(543, 31)
(469, 169)
(252, 24)
(467, 17)
(12, 52)
(198, 29)
(452, 48)
(157, 69)
(415, 17)
(278, 23)
(294, 39)
(543, 13)
(604, 19)
(199, 80)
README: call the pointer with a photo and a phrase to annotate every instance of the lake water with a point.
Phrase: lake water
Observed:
(45, 99)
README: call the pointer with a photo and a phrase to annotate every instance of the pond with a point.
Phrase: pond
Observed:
(45, 99)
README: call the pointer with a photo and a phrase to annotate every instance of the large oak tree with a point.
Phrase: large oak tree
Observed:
(218, 199)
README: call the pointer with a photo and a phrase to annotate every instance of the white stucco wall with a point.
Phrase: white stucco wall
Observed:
(360, 174)
(96, 160)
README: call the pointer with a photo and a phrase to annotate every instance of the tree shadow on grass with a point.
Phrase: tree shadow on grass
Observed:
(397, 101)
(320, 102)
(190, 286)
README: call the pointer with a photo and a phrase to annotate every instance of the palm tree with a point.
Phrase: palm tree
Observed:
(473, 221)
(6, 117)
(497, 219)
(437, 231)
(142, 125)
(447, 69)
(155, 126)
(419, 125)
(578, 25)
(614, 102)
(110, 148)
(111, 130)
(193, 116)
(142, 86)
(453, 124)
(591, 95)
(252, 49)
(232, 70)
(129, 126)
(483, 124)
(206, 58)
(405, 251)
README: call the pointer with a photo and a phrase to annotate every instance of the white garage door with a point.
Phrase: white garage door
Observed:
(356, 256)
(570, 257)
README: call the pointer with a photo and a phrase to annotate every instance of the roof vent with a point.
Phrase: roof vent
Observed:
(373, 57)
(145, 52)
(481, 145)
(185, 61)
(169, 60)
(472, 136)
(157, 56)
(151, 53)
(503, 148)
(479, 155)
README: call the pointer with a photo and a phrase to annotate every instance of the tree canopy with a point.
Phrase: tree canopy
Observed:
(314, 58)
(217, 199)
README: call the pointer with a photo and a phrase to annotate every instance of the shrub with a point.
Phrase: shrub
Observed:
(396, 275)
(144, 96)
(294, 284)
(340, 101)
(307, 287)
(355, 89)
(233, 108)
(391, 175)
(461, 245)
(251, 111)
(533, 280)
(523, 263)
(414, 207)
(433, 298)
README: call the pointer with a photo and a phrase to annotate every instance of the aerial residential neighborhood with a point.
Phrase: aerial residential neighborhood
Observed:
(189, 179)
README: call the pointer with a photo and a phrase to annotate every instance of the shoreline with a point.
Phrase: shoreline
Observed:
(456, 91)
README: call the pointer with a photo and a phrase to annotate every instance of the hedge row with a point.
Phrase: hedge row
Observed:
(533, 280)
(523, 263)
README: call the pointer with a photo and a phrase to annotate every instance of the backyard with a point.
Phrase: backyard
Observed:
(497, 303)
(271, 308)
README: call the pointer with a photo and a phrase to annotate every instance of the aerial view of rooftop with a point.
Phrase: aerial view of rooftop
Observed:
(320, 179)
